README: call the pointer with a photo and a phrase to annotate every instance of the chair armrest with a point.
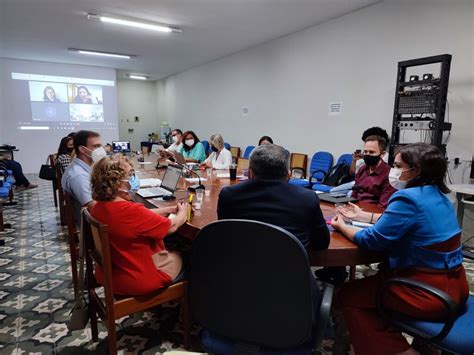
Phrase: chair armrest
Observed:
(324, 315)
(315, 172)
(452, 307)
(468, 254)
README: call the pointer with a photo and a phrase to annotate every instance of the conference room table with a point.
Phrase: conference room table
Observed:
(341, 251)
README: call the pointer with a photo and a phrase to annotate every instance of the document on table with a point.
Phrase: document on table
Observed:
(195, 179)
(150, 182)
(223, 175)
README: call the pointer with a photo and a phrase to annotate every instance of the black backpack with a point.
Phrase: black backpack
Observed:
(339, 174)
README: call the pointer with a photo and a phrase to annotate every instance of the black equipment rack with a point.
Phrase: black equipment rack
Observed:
(421, 104)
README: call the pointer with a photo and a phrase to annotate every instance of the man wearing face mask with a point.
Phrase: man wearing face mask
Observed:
(371, 182)
(76, 179)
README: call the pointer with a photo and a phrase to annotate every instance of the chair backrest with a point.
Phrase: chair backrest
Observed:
(242, 291)
(97, 252)
(299, 161)
(247, 151)
(345, 158)
(320, 162)
(227, 146)
(145, 149)
(235, 151)
(243, 163)
(69, 214)
(207, 147)
(52, 159)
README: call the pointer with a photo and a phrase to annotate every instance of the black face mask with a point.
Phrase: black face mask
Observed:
(69, 150)
(214, 149)
(371, 160)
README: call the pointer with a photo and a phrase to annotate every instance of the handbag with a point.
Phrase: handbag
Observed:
(47, 172)
(80, 311)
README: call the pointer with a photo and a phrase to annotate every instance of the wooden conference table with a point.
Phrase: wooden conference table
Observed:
(341, 251)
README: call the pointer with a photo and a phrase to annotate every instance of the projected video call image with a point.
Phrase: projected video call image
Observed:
(85, 94)
(48, 92)
(86, 113)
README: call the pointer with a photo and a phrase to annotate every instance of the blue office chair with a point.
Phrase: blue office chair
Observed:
(339, 174)
(245, 297)
(207, 147)
(455, 335)
(227, 146)
(321, 163)
(247, 151)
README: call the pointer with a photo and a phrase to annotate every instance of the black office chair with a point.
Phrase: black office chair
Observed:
(251, 289)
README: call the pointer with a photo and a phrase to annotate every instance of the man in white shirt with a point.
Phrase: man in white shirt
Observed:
(177, 137)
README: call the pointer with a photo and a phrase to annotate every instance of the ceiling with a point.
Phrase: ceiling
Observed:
(44, 29)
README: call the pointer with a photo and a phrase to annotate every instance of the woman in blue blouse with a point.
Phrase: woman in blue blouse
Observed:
(192, 149)
(420, 233)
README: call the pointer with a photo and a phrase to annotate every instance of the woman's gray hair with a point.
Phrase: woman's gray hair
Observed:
(217, 140)
(270, 161)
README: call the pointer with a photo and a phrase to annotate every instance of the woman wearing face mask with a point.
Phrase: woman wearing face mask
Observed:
(65, 153)
(220, 158)
(420, 233)
(192, 150)
(140, 260)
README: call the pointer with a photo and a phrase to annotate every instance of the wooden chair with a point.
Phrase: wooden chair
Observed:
(298, 165)
(243, 163)
(97, 252)
(62, 213)
(52, 162)
(145, 150)
(73, 237)
(235, 151)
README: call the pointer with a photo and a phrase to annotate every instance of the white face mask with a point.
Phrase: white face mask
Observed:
(175, 139)
(189, 142)
(97, 154)
(394, 178)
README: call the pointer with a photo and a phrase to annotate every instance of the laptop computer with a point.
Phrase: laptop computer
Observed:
(121, 147)
(178, 158)
(336, 198)
(168, 184)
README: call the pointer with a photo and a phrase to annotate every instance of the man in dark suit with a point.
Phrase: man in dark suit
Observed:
(267, 197)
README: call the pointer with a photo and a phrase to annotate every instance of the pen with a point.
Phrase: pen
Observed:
(190, 208)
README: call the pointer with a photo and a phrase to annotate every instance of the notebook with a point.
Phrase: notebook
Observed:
(336, 198)
(168, 184)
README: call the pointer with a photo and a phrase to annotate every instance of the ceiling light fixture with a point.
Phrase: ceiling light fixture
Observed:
(134, 23)
(100, 53)
(137, 77)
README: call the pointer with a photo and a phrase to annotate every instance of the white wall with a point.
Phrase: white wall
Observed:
(137, 98)
(288, 83)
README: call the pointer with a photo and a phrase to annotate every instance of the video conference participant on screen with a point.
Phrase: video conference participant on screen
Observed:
(49, 95)
(83, 96)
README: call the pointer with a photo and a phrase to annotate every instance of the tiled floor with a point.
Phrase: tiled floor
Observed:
(36, 295)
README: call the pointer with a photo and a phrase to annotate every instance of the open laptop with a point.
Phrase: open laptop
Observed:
(168, 184)
(336, 198)
(178, 158)
(121, 147)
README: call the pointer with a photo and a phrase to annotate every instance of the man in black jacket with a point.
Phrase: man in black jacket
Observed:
(267, 197)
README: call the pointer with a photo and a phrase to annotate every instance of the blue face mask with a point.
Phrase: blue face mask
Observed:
(134, 182)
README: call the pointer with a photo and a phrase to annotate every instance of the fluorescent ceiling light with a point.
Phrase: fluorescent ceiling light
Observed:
(134, 23)
(99, 53)
(137, 77)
